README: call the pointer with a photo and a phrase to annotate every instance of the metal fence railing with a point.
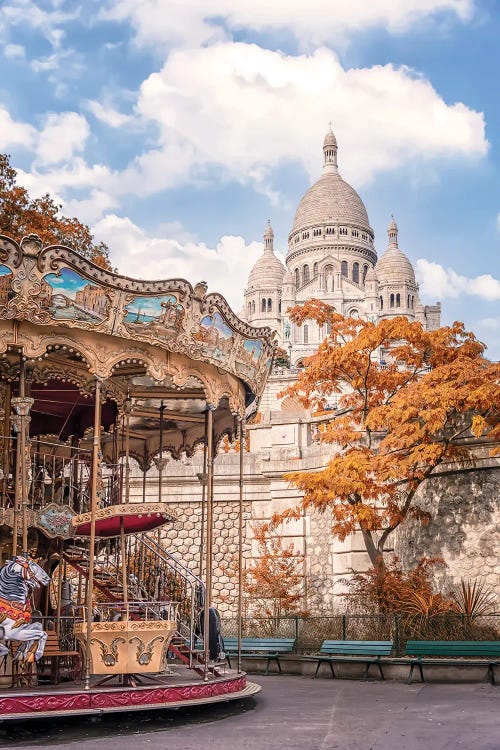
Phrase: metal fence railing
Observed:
(310, 632)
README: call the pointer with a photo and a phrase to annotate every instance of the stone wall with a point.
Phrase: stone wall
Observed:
(464, 529)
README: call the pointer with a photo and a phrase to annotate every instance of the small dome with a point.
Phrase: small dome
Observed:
(393, 227)
(330, 139)
(269, 230)
(394, 267)
(268, 272)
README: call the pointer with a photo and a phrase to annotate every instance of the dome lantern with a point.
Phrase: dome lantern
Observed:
(269, 237)
(330, 152)
(392, 232)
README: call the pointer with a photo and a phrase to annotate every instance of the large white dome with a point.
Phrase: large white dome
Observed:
(331, 213)
(330, 200)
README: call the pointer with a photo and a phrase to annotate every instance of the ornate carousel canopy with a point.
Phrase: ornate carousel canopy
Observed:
(165, 352)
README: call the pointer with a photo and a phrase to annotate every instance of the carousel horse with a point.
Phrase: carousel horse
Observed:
(19, 577)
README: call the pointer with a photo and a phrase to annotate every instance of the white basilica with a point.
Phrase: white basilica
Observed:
(331, 256)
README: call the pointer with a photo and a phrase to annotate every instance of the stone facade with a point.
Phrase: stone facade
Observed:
(332, 257)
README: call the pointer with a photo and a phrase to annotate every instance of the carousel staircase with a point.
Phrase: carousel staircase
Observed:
(153, 574)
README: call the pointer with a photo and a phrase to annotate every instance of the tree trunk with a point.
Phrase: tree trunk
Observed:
(375, 555)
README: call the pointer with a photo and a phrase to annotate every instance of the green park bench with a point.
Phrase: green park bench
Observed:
(364, 652)
(452, 653)
(259, 648)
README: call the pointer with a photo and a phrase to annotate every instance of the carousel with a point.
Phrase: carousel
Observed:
(100, 373)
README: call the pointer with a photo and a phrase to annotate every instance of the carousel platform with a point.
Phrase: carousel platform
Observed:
(166, 691)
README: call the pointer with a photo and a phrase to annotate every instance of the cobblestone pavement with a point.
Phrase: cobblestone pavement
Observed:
(294, 713)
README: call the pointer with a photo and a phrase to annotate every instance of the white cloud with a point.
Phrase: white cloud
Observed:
(248, 109)
(14, 52)
(107, 114)
(225, 268)
(91, 209)
(245, 111)
(64, 134)
(14, 133)
(439, 283)
(197, 22)
(48, 22)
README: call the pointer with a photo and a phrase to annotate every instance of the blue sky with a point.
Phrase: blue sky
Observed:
(175, 129)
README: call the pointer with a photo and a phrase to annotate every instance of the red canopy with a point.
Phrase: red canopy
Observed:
(135, 518)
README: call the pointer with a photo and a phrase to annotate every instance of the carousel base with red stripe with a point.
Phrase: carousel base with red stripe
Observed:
(184, 688)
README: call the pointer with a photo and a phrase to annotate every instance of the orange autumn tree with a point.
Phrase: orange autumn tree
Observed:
(397, 423)
(20, 214)
(273, 583)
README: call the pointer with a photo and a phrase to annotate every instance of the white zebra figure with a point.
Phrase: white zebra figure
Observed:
(19, 577)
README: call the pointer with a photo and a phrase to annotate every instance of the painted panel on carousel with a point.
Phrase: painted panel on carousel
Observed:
(161, 317)
(5, 285)
(215, 337)
(69, 296)
(248, 357)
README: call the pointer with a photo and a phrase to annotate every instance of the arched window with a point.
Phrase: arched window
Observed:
(409, 304)
(328, 328)
(354, 313)
(253, 306)
(297, 278)
(381, 303)
(398, 300)
(392, 300)
(269, 305)
(412, 301)
(305, 274)
(343, 268)
(306, 334)
(365, 271)
(263, 306)
(249, 308)
(355, 272)
(279, 306)
(315, 269)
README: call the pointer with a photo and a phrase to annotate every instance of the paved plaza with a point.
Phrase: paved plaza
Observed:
(296, 713)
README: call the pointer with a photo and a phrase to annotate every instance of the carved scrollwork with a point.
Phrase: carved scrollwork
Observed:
(144, 652)
(27, 302)
(109, 654)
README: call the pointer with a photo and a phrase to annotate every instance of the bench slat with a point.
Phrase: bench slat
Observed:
(360, 648)
(453, 648)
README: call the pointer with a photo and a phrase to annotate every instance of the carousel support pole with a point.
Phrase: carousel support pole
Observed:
(240, 538)
(160, 465)
(128, 409)
(203, 496)
(7, 441)
(144, 474)
(123, 551)
(208, 546)
(22, 405)
(96, 449)
(59, 586)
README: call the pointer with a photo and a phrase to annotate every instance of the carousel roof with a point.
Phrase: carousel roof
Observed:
(165, 351)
